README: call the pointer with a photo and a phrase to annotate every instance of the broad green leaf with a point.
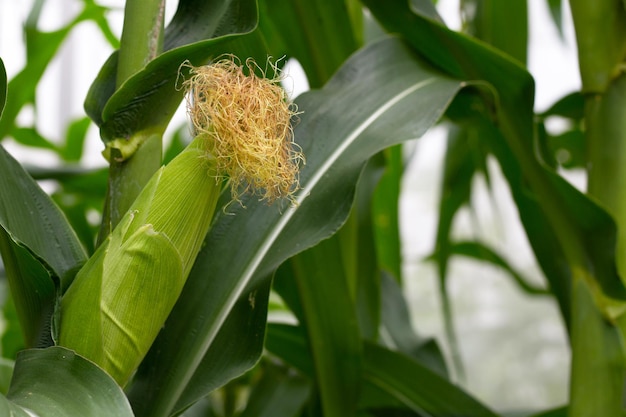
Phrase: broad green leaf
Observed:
(279, 392)
(56, 382)
(228, 357)
(32, 220)
(318, 33)
(341, 127)
(32, 289)
(40, 250)
(146, 102)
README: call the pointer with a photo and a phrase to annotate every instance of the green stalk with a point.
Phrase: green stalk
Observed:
(142, 41)
(598, 362)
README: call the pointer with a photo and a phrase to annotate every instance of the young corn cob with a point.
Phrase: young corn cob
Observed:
(121, 297)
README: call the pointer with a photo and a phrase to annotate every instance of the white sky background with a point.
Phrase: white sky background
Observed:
(514, 348)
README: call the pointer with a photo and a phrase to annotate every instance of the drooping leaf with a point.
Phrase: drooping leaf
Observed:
(390, 379)
(433, 395)
(40, 249)
(343, 127)
(482, 252)
(56, 382)
(32, 288)
(396, 321)
(587, 235)
(32, 220)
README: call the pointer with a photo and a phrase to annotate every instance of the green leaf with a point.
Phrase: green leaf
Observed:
(480, 251)
(32, 220)
(56, 382)
(332, 326)
(586, 236)
(40, 250)
(41, 48)
(75, 139)
(279, 392)
(6, 372)
(146, 102)
(571, 106)
(464, 158)
(365, 284)
(503, 25)
(433, 395)
(28, 136)
(32, 289)
(390, 379)
(250, 241)
(556, 13)
(397, 324)
(318, 33)
(12, 337)
(3, 87)
(385, 212)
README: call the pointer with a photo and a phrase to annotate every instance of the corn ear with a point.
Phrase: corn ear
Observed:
(121, 297)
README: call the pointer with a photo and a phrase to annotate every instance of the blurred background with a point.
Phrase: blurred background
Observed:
(512, 344)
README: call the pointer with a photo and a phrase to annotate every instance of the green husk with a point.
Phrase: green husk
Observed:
(121, 297)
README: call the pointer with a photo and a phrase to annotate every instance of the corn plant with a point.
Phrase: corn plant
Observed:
(161, 309)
